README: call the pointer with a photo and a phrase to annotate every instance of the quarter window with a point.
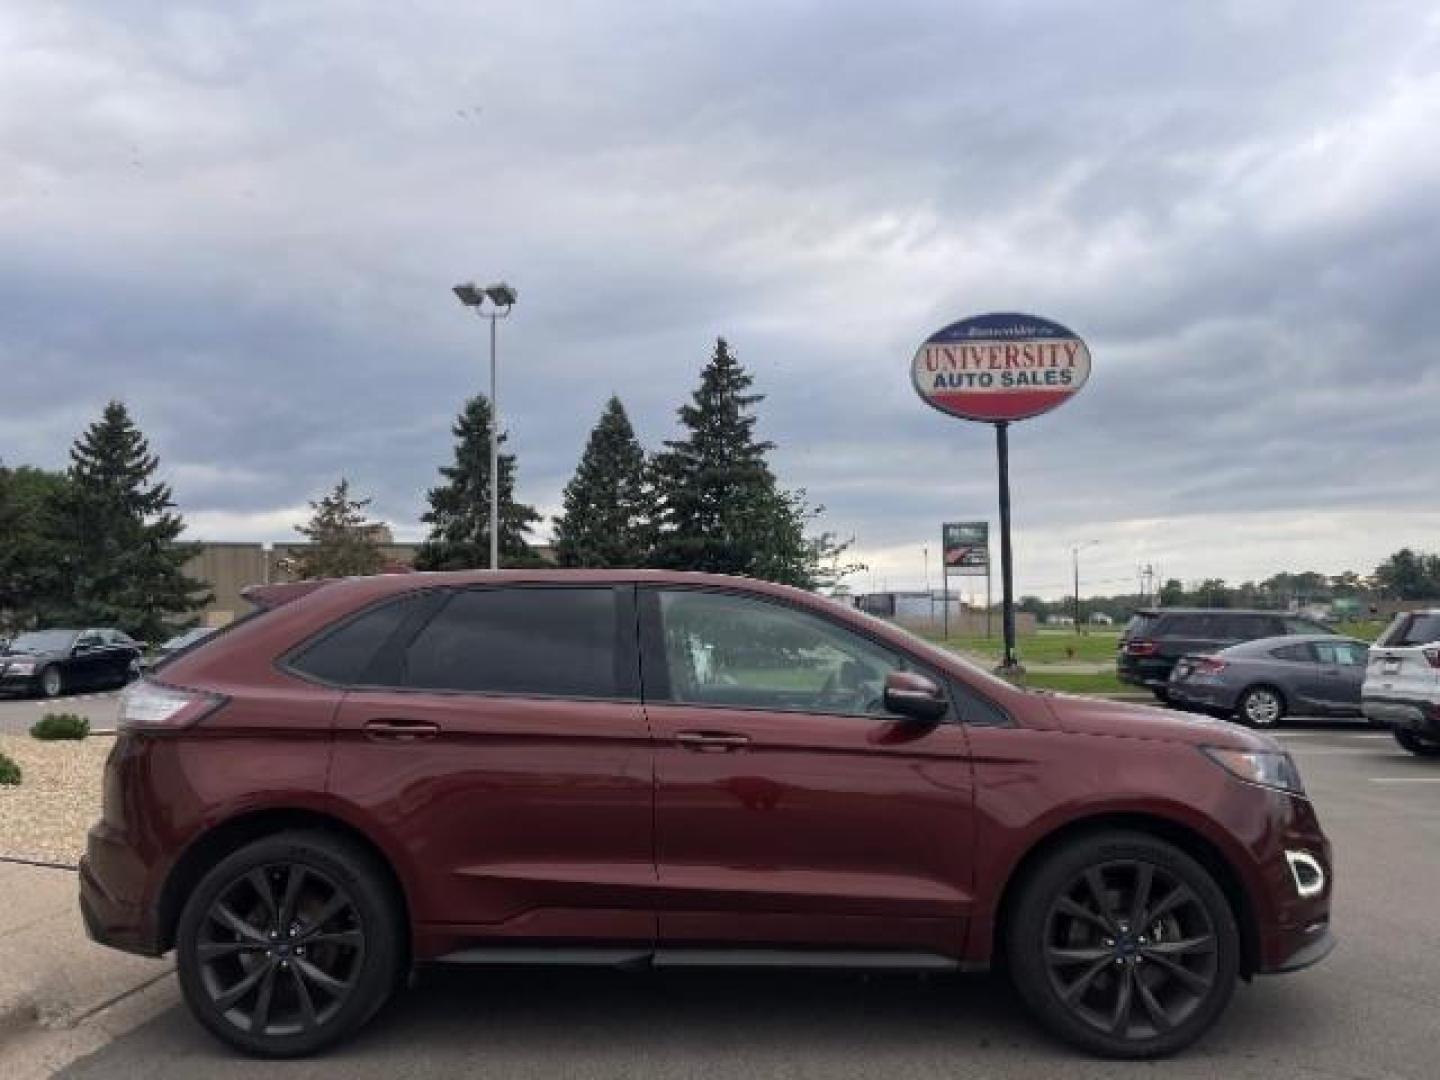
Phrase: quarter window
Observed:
(722, 649)
(1295, 653)
(344, 655)
(541, 642)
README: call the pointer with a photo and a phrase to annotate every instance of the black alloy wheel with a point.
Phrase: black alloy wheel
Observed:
(1125, 946)
(288, 945)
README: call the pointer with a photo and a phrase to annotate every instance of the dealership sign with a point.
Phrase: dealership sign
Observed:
(966, 548)
(1000, 367)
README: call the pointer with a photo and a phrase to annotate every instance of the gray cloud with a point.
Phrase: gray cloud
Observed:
(245, 221)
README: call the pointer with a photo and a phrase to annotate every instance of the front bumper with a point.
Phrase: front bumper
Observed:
(14, 682)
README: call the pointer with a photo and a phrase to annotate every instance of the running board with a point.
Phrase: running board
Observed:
(815, 959)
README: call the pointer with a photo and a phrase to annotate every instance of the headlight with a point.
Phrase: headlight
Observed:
(1268, 768)
(20, 667)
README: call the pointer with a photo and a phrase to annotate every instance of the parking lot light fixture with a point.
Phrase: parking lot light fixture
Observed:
(502, 298)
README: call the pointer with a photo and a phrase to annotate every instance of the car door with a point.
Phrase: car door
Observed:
(1340, 673)
(1295, 669)
(790, 808)
(86, 665)
(499, 740)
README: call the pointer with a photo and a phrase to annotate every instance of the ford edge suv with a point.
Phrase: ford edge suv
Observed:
(667, 769)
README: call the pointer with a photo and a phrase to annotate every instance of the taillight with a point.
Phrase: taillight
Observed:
(1142, 648)
(151, 706)
(1432, 657)
(1208, 665)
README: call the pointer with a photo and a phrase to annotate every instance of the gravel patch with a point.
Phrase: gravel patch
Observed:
(47, 815)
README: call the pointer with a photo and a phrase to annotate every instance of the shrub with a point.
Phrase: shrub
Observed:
(9, 771)
(60, 726)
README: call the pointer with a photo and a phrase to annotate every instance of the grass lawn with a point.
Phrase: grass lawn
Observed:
(1076, 682)
(1046, 647)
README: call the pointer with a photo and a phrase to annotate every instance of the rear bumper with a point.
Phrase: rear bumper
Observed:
(113, 915)
(1201, 695)
(1408, 714)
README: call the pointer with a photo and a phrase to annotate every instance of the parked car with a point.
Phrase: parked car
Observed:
(1261, 682)
(172, 645)
(58, 661)
(1402, 683)
(1155, 638)
(533, 766)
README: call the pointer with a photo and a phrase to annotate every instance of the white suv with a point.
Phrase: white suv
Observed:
(1402, 681)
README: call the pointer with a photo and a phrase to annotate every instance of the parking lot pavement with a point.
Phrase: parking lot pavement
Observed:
(1361, 1014)
(17, 713)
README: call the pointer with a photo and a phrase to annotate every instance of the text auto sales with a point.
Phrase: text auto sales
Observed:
(1005, 366)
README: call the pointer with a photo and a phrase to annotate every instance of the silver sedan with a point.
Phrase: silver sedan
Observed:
(1260, 682)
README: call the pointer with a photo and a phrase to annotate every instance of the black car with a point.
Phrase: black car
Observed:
(1155, 638)
(54, 662)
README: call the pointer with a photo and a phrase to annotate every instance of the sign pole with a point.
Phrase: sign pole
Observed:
(945, 597)
(1007, 577)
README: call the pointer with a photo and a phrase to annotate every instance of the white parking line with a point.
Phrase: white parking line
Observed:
(1405, 779)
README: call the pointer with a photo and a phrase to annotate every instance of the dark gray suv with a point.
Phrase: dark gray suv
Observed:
(1155, 638)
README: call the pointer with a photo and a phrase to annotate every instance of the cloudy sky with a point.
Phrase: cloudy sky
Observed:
(244, 220)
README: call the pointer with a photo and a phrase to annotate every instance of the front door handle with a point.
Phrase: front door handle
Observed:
(399, 729)
(712, 742)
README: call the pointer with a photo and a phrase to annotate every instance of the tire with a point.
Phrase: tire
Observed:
(243, 956)
(1071, 955)
(51, 682)
(1260, 707)
(1417, 744)
(1161, 695)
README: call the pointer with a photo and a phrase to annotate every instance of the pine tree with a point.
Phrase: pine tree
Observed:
(720, 508)
(459, 514)
(33, 547)
(123, 563)
(341, 541)
(605, 520)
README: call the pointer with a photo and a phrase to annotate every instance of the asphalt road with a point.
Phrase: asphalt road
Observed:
(18, 713)
(1367, 1012)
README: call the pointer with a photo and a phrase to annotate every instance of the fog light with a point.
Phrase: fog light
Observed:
(1309, 875)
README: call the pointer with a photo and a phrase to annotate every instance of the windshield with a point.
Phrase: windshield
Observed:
(43, 641)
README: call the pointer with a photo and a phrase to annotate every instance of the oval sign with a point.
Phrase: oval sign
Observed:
(1001, 366)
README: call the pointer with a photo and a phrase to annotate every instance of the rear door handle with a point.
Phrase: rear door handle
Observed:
(712, 742)
(398, 729)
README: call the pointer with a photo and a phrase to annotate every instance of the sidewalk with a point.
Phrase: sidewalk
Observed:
(53, 976)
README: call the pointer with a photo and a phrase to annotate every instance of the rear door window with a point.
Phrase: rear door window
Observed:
(536, 642)
(1340, 653)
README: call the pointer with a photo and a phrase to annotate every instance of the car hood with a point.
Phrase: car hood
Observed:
(1118, 719)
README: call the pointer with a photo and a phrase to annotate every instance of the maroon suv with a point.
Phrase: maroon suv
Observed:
(627, 767)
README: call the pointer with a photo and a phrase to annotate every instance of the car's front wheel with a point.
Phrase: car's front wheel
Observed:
(1124, 945)
(1417, 744)
(289, 944)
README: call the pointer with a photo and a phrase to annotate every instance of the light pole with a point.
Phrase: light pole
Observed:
(502, 299)
(1075, 550)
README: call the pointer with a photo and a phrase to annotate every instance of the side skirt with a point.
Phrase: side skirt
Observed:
(622, 957)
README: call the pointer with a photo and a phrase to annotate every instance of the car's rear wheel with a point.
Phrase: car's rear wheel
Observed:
(1124, 945)
(1260, 706)
(52, 681)
(289, 944)
(1417, 744)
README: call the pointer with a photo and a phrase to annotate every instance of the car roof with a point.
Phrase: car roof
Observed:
(1219, 611)
(1265, 644)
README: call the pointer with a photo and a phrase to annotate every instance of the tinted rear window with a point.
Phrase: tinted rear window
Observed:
(539, 642)
(1139, 626)
(343, 654)
(1414, 629)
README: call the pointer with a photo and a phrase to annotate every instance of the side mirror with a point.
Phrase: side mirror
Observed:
(910, 694)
